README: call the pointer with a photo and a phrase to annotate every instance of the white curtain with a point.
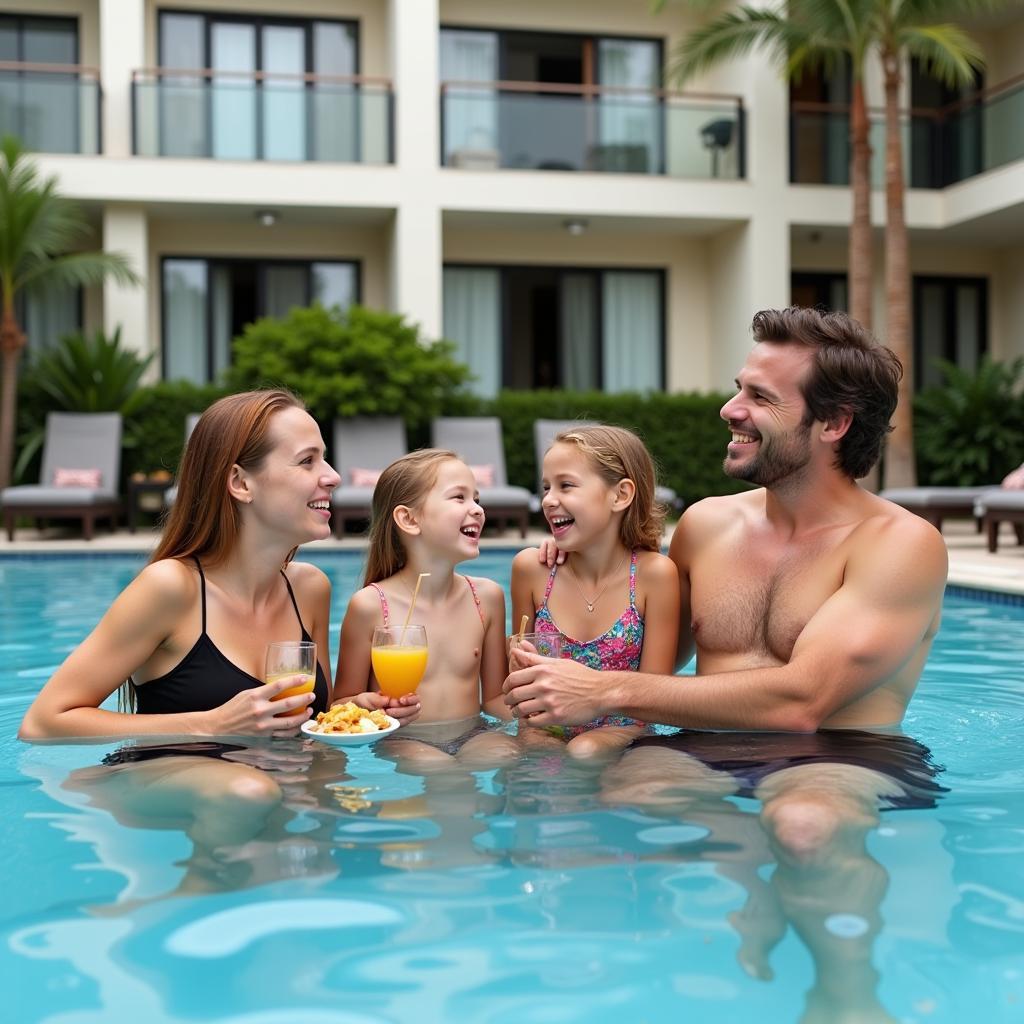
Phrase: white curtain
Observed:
(633, 334)
(472, 320)
(285, 288)
(578, 333)
(336, 106)
(334, 285)
(50, 315)
(233, 48)
(630, 123)
(284, 99)
(221, 317)
(185, 320)
(470, 114)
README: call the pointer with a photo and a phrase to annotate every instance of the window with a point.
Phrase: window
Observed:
(555, 327)
(40, 107)
(824, 291)
(235, 114)
(951, 323)
(819, 144)
(207, 303)
(47, 316)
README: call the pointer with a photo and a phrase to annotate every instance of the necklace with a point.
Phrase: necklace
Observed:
(592, 602)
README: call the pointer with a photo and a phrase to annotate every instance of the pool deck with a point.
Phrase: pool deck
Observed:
(970, 564)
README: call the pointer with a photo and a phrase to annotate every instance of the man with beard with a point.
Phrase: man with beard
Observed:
(812, 605)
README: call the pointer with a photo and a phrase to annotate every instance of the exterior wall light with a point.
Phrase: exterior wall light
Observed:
(575, 226)
(268, 218)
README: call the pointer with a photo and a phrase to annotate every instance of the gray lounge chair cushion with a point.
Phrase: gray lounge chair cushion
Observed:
(478, 440)
(999, 499)
(364, 442)
(35, 495)
(934, 497)
(89, 440)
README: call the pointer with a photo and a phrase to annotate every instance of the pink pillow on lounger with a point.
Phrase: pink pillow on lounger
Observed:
(484, 475)
(77, 478)
(365, 477)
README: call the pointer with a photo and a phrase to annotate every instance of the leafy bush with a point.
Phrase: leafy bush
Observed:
(155, 426)
(970, 431)
(682, 431)
(360, 363)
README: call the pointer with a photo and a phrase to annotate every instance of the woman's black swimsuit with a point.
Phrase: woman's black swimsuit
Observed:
(205, 679)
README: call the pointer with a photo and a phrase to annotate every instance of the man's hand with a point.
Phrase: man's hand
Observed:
(553, 691)
(550, 554)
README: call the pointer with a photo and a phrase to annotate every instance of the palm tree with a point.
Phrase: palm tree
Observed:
(919, 29)
(38, 227)
(803, 35)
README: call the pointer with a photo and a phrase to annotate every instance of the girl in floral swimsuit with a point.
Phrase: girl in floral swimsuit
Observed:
(599, 502)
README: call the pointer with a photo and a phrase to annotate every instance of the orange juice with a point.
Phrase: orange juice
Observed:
(305, 686)
(398, 669)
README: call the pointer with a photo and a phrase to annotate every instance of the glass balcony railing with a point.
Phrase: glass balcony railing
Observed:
(547, 127)
(261, 116)
(51, 108)
(940, 147)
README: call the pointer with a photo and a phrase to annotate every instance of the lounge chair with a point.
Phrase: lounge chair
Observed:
(78, 446)
(363, 447)
(478, 441)
(545, 431)
(998, 505)
(936, 504)
(190, 424)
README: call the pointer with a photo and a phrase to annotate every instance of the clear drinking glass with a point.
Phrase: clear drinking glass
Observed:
(399, 658)
(286, 658)
(548, 645)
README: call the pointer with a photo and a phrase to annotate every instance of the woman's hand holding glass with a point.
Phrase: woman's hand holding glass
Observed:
(257, 711)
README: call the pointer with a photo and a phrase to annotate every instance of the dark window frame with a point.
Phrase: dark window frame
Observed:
(261, 263)
(561, 270)
(950, 282)
(821, 281)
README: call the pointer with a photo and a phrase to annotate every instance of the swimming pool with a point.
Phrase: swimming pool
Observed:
(513, 895)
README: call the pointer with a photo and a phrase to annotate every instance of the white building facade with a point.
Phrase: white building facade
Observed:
(511, 176)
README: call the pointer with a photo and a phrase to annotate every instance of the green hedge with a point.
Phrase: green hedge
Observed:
(683, 432)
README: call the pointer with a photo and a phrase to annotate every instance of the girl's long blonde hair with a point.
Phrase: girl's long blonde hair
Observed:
(406, 481)
(617, 454)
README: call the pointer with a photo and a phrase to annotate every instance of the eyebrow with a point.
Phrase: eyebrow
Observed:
(315, 449)
(767, 392)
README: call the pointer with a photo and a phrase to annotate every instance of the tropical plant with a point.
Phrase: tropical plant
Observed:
(38, 230)
(970, 429)
(362, 362)
(82, 374)
(802, 36)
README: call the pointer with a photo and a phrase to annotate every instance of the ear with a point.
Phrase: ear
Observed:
(239, 485)
(405, 519)
(625, 492)
(836, 428)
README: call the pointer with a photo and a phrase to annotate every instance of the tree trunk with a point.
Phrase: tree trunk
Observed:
(11, 343)
(859, 260)
(899, 466)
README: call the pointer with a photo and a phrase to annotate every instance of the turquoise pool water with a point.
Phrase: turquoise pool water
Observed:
(518, 895)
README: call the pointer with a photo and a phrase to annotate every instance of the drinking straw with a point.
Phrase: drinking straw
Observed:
(412, 604)
(522, 627)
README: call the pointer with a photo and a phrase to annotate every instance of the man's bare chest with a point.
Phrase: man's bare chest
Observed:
(755, 599)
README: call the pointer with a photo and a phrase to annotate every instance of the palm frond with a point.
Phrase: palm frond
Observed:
(947, 51)
(78, 269)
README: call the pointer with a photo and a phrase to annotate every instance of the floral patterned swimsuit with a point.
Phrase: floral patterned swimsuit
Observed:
(618, 650)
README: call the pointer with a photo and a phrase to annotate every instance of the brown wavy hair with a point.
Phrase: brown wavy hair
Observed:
(851, 373)
(204, 521)
(407, 481)
(616, 454)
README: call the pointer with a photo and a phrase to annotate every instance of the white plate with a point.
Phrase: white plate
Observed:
(348, 739)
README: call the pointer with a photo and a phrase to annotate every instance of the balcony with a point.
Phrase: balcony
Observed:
(261, 116)
(547, 127)
(52, 108)
(940, 147)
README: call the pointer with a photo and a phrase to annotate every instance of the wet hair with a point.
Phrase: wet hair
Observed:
(616, 454)
(851, 373)
(407, 481)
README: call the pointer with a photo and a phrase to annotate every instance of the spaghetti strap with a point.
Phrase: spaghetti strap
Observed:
(295, 604)
(383, 602)
(476, 599)
(551, 583)
(202, 592)
(632, 579)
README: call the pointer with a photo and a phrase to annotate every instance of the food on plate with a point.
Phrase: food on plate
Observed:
(350, 718)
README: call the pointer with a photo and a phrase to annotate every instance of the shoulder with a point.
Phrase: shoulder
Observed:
(655, 569)
(898, 545)
(174, 583)
(708, 517)
(364, 604)
(527, 565)
(490, 593)
(308, 580)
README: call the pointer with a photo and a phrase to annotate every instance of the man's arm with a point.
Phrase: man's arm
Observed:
(679, 552)
(860, 637)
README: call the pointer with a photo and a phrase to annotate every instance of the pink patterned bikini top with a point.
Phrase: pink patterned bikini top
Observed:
(472, 590)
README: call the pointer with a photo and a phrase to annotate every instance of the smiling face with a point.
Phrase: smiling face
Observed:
(771, 435)
(450, 516)
(291, 491)
(578, 504)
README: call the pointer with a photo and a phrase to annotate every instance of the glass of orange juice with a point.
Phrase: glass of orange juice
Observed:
(399, 658)
(291, 658)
